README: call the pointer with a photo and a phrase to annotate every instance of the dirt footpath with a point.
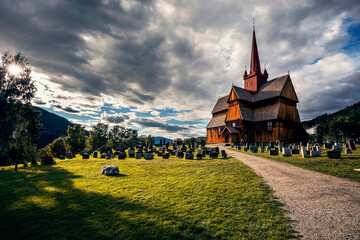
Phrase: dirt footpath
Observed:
(322, 206)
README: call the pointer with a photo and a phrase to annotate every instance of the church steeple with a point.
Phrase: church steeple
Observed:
(255, 62)
(255, 79)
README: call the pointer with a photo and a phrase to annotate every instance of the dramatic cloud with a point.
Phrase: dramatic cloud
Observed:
(151, 62)
(147, 123)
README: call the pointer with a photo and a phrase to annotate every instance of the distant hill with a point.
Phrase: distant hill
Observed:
(322, 119)
(167, 140)
(53, 127)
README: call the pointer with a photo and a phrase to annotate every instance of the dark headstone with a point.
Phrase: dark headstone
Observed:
(95, 155)
(85, 156)
(295, 151)
(273, 152)
(334, 154)
(121, 155)
(166, 155)
(180, 154)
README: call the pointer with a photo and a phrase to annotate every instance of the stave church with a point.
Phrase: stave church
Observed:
(263, 111)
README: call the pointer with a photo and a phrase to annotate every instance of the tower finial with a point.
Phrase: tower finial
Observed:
(253, 24)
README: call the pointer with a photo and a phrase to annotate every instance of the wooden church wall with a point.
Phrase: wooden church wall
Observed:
(289, 92)
(288, 112)
(215, 138)
(233, 112)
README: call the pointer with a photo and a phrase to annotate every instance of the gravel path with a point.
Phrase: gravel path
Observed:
(322, 206)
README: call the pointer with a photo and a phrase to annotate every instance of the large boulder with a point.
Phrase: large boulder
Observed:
(110, 170)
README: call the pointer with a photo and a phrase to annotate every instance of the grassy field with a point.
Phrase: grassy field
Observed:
(157, 199)
(343, 167)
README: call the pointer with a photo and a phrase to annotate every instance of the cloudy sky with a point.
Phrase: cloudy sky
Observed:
(160, 66)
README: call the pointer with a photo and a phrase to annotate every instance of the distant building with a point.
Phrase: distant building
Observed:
(262, 111)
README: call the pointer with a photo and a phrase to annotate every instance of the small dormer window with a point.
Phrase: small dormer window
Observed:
(219, 131)
(212, 132)
(234, 124)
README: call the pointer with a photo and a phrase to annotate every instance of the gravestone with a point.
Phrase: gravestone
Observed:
(303, 152)
(223, 154)
(112, 155)
(295, 151)
(318, 148)
(180, 154)
(148, 156)
(314, 153)
(273, 152)
(198, 156)
(166, 155)
(261, 149)
(62, 157)
(253, 149)
(103, 155)
(198, 151)
(327, 145)
(213, 155)
(245, 149)
(337, 147)
(122, 155)
(138, 155)
(351, 144)
(95, 155)
(334, 154)
(189, 156)
(286, 152)
(131, 153)
(85, 156)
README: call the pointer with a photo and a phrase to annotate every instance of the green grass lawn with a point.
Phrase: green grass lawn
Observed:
(343, 167)
(156, 199)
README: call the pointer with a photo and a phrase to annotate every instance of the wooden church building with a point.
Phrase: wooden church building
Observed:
(262, 111)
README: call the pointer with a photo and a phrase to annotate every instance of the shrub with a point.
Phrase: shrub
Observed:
(45, 157)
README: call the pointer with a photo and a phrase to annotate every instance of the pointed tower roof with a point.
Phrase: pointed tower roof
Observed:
(255, 61)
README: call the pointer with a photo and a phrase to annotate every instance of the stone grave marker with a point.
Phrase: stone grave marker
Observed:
(286, 152)
(95, 155)
(121, 155)
(314, 153)
(303, 152)
(334, 154)
(273, 152)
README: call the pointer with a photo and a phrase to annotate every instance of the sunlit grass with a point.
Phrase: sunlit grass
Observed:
(343, 167)
(151, 199)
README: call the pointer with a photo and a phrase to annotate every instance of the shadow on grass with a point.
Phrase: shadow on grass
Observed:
(42, 203)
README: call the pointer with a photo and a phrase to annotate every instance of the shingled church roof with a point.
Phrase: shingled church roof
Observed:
(217, 121)
(221, 104)
(270, 89)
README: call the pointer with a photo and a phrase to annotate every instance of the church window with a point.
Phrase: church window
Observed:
(269, 126)
(219, 131)
(212, 132)
(234, 124)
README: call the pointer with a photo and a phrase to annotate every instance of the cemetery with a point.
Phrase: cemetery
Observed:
(144, 191)
(333, 158)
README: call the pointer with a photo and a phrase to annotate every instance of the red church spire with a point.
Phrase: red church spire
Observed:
(255, 79)
(255, 62)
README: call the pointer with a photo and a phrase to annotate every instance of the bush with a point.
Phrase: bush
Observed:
(45, 157)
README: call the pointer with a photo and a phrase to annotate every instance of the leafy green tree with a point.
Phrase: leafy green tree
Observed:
(57, 147)
(150, 140)
(116, 136)
(16, 92)
(76, 139)
(178, 141)
(99, 135)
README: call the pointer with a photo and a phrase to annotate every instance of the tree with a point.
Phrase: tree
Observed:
(178, 141)
(116, 136)
(76, 138)
(99, 135)
(16, 92)
(150, 140)
(57, 147)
